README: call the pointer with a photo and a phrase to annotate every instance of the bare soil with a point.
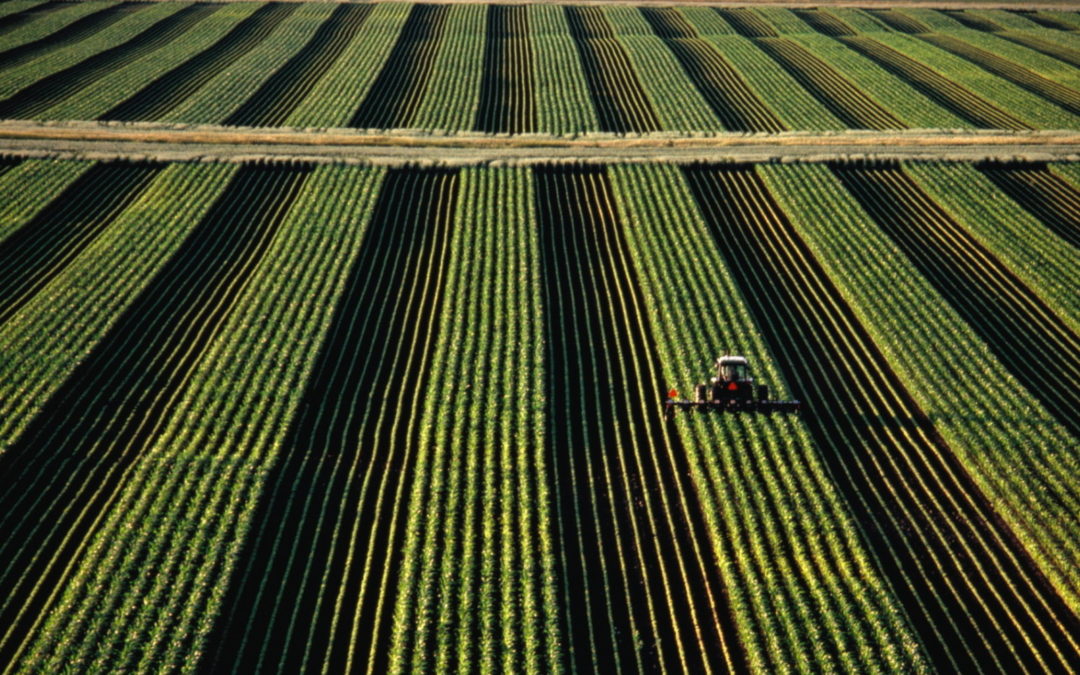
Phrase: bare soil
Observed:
(141, 140)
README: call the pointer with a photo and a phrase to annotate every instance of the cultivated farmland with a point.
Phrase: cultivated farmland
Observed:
(310, 411)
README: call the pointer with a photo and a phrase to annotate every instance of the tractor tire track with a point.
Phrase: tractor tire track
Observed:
(74, 32)
(40, 250)
(1044, 195)
(74, 457)
(395, 95)
(314, 584)
(620, 100)
(973, 596)
(43, 94)
(276, 99)
(641, 589)
(946, 93)
(1031, 341)
(170, 89)
(507, 103)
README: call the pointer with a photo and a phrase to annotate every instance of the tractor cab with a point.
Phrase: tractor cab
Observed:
(732, 390)
(732, 369)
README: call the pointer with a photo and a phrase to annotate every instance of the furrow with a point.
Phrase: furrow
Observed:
(506, 92)
(940, 89)
(1059, 52)
(75, 455)
(747, 23)
(823, 22)
(951, 563)
(314, 582)
(169, 90)
(631, 562)
(1030, 340)
(898, 22)
(1046, 196)
(279, 96)
(395, 95)
(1051, 91)
(737, 106)
(832, 89)
(38, 251)
(68, 35)
(620, 101)
(45, 93)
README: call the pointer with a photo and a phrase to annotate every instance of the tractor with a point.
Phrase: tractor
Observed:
(732, 390)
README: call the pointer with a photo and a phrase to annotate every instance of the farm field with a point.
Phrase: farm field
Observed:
(540, 69)
(335, 337)
(321, 416)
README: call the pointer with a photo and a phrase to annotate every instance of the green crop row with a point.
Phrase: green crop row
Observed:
(564, 103)
(1002, 435)
(453, 93)
(48, 22)
(478, 574)
(53, 62)
(148, 587)
(118, 85)
(44, 342)
(225, 92)
(1032, 252)
(31, 186)
(793, 610)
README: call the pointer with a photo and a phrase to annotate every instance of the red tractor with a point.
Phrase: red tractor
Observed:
(732, 390)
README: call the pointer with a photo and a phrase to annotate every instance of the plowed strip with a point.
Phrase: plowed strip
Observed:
(897, 21)
(72, 460)
(278, 97)
(45, 93)
(1067, 98)
(972, 21)
(941, 90)
(1064, 54)
(507, 103)
(620, 100)
(68, 35)
(823, 22)
(1032, 342)
(396, 92)
(169, 90)
(971, 593)
(1043, 20)
(724, 89)
(39, 250)
(747, 23)
(832, 89)
(313, 584)
(1044, 195)
(635, 557)
(668, 23)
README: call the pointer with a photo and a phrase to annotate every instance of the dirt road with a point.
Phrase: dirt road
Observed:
(216, 143)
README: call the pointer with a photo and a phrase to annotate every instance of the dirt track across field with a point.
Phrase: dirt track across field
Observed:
(876, 4)
(94, 140)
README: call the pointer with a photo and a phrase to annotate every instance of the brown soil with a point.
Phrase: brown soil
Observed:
(95, 140)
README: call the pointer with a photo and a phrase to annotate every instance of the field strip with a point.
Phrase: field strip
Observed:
(183, 143)
(621, 480)
(316, 580)
(113, 404)
(974, 597)
(930, 4)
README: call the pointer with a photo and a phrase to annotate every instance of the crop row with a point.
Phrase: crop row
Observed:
(286, 417)
(614, 69)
